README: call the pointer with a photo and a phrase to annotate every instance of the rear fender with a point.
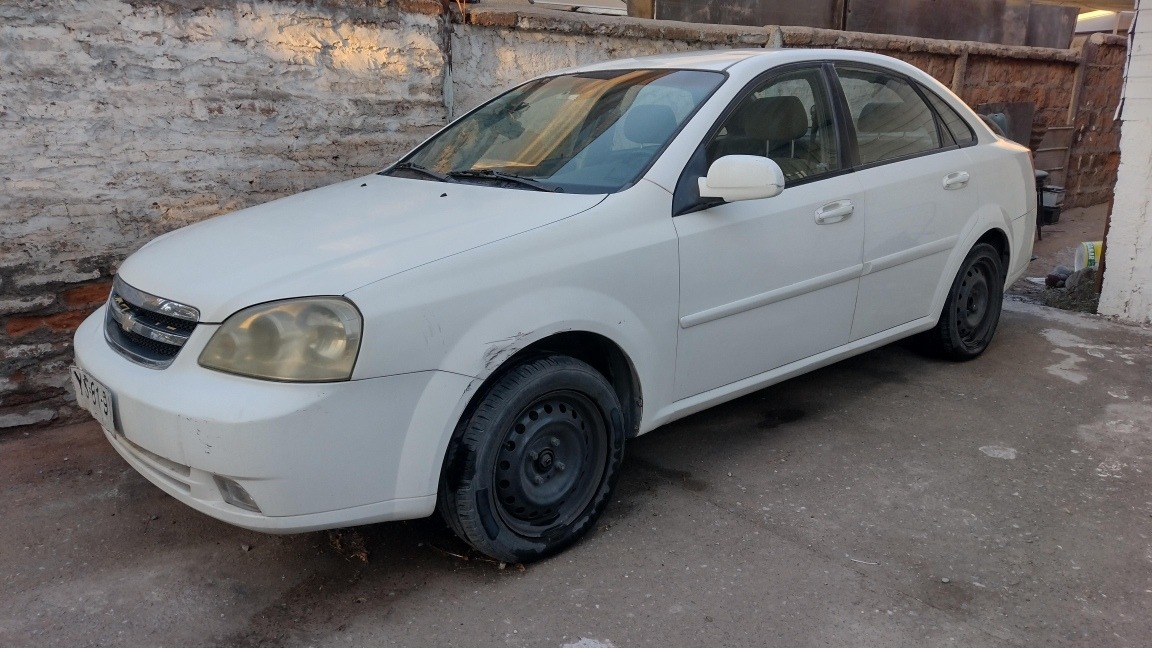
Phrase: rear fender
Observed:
(986, 219)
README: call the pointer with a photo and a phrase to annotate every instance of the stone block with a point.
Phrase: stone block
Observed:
(88, 295)
(27, 417)
(22, 352)
(25, 304)
(66, 322)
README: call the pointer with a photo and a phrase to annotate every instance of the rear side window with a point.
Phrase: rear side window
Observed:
(959, 129)
(890, 118)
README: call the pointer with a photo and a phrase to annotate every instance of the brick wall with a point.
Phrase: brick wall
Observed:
(1095, 155)
(977, 72)
(121, 120)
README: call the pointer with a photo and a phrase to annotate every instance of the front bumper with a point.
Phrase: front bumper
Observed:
(312, 456)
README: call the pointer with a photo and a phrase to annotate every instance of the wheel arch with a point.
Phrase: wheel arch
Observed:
(600, 352)
(997, 238)
(990, 233)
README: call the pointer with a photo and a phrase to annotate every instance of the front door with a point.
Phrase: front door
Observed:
(767, 282)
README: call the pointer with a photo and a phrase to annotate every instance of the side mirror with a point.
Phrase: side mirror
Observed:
(742, 177)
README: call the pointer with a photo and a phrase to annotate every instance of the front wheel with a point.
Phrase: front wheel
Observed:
(972, 309)
(532, 466)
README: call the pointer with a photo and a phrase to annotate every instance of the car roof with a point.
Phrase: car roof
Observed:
(720, 60)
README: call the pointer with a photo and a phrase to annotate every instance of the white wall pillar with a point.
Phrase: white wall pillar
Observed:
(1127, 291)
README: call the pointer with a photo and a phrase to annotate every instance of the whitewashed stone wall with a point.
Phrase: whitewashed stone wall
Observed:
(159, 118)
(122, 120)
(1127, 291)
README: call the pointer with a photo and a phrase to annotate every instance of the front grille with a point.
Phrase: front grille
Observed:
(159, 321)
(147, 329)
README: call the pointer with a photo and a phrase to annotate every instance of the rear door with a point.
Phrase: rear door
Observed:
(917, 180)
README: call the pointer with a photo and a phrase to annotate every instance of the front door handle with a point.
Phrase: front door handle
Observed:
(957, 180)
(834, 212)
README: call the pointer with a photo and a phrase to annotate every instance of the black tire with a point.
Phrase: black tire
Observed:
(972, 309)
(532, 466)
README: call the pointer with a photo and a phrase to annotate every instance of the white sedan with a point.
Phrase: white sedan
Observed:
(478, 329)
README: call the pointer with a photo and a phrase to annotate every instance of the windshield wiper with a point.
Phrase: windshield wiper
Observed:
(411, 166)
(506, 177)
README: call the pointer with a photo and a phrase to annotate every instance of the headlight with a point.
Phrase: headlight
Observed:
(300, 340)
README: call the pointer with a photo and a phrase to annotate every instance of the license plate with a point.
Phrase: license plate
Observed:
(93, 396)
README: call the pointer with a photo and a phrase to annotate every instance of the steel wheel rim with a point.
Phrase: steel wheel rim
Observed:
(550, 463)
(972, 314)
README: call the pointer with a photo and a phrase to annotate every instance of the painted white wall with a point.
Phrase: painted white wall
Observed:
(1127, 291)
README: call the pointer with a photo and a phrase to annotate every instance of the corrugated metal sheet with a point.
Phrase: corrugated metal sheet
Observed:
(814, 13)
(988, 21)
(1051, 26)
(1011, 22)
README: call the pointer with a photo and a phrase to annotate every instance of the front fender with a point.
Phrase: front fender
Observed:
(520, 322)
(612, 270)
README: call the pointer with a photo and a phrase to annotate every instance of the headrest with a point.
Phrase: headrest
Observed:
(891, 117)
(649, 124)
(775, 119)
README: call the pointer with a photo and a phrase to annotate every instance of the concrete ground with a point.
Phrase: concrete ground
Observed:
(890, 500)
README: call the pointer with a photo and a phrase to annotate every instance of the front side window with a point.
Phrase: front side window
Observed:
(787, 119)
(591, 132)
(890, 118)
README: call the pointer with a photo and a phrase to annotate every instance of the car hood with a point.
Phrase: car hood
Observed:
(332, 240)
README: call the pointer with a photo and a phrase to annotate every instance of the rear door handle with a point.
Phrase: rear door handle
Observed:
(957, 180)
(834, 212)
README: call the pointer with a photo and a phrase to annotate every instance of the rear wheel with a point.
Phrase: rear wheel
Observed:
(533, 465)
(972, 309)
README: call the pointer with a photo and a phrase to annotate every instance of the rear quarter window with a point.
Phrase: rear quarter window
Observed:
(959, 129)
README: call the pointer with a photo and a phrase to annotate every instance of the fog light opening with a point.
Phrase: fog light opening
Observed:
(235, 494)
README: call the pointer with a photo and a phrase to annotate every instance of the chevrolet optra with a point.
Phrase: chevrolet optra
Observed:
(479, 328)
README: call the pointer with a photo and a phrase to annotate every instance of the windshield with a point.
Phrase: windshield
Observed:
(591, 132)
